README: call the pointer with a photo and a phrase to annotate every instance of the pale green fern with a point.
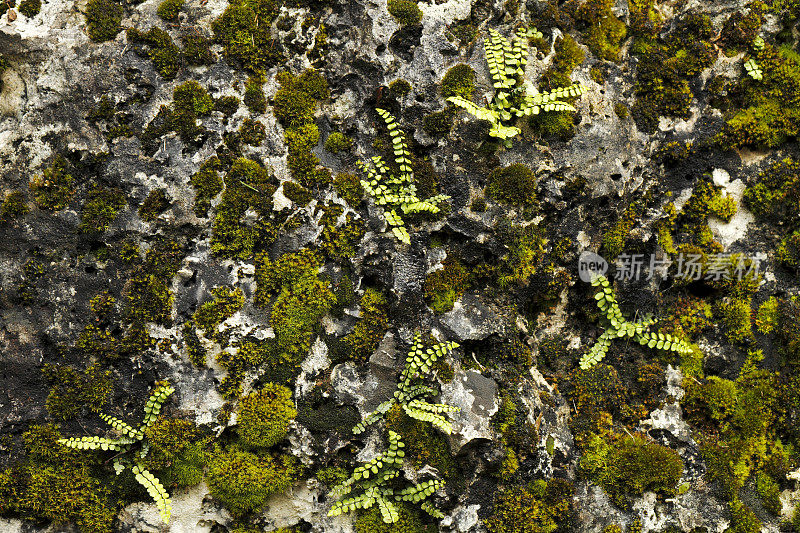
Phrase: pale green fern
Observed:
(616, 326)
(132, 449)
(411, 392)
(372, 481)
(395, 192)
(514, 95)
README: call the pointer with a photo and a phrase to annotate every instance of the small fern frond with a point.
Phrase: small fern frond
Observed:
(156, 491)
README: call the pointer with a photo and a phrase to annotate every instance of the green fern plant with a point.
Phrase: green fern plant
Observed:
(753, 70)
(372, 479)
(411, 391)
(394, 189)
(131, 447)
(514, 95)
(616, 326)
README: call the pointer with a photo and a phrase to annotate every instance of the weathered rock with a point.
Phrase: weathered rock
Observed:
(476, 397)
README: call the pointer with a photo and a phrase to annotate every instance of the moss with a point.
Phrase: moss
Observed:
(178, 452)
(770, 108)
(735, 315)
(252, 132)
(595, 390)
(459, 81)
(157, 45)
(769, 493)
(559, 125)
(788, 251)
(614, 239)
(604, 31)
(348, 187)
(331, 476)
(147, 296)
(526, 247)
(196, 50)
(537, 507)
(254, 97)
(14, 206)
(370, 329)
(247, 185)
(30, 8)
(100, 208)
(444, 286)
(439, 123)
(767, 316)
(194, 348)
(339, 241)
(743, 519)
(73, 390)
(568, 56)
(242, 481)
(400, 88)
(155, 204)
(244, 31)
(207, 184)
(54, 189)
(788, 328)
(210, 315)
(338, 142)
(621, 110)
(264, 416)
(424, 444)
(408, 521)
(514, 185)
(405, 12)
(169, 9)
(775, 193)
(103, 18)
(296, 193)
(294, 107)
(630, 466)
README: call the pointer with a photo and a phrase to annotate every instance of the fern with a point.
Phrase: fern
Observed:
(411, 392)
(514, 95)
(396, 191)
(617, 326)
(372, 480)
(753, 70)
(129, 455)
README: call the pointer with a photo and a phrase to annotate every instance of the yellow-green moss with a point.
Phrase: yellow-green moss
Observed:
(568, 55)
(444, 286)
(100, 208)
(439, 123)
(405, 12)
(244, 31)
(400, 88)
(197, 52)
(54, 188)
(424, 444)
(178, 452)
(736, 316)
(537, 507)
(103, 18)
(254, 97)
(72, 390)
(459, 81)
(604, 31)
(14, 206)
(767, 316)
(514, 185)
(211, 314)
(158, 46)
(155, 204)
(30, 8)
(408, 521)
(207, 184)
(169, 9)
(242, 481)
(337, 142)
(264, 416)
(296, 193)
(349, 188)
(370, 329)
(252, 132)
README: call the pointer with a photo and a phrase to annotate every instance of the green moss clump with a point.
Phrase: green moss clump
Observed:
(568, 56)
(252, 132)
(264, 416)
(74, 390)
(247, 185)
(514, 184)
(604, 31)
(177, 452)
(147, 296)
(14, 206)
(339, 240)
(736, 316)
(169, 9)
(254, 97)
(53, 190)
(400, 88)
(369, 331)
(775, 194)
(459, 81)
(296, 193)
(196, 50)
(424, 445)
(540, 506)
(244, 31)
(526, 247)
(294, 107)
(157, 45)
(338, 142)
(621, 110)
(614, 239)
(405, 12)
(242, 481)
(349, 188)
(558, 125)
(103, 19)
(439, 123)
(207, 184)
(155, 204)
(743, 519)
(444, 286)
(629, 466)
(100, 208)
(767, 316)
(408, 521)
(30, 8)
(210, 315)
